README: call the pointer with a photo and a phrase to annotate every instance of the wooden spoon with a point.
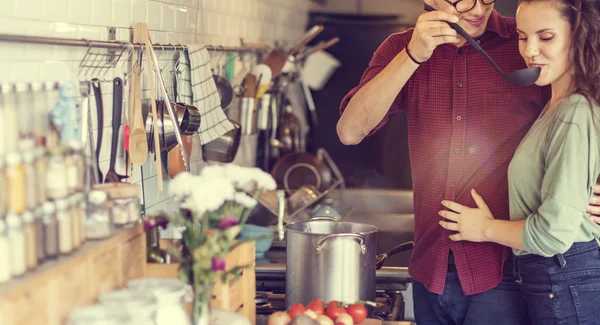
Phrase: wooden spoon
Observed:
(138, 142)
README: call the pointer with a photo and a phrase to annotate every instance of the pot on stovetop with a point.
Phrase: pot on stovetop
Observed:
(331, 260)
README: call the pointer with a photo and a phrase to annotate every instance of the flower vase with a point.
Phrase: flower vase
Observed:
(201, 312)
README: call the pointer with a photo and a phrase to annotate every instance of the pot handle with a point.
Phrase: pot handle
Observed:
(323, 218)
(361, 241)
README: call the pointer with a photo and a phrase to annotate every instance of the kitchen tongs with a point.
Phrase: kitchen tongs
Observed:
(522, 77)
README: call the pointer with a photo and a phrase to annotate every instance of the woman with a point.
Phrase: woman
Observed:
(554, 170)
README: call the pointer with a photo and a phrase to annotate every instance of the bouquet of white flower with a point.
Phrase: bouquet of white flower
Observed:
(214, 206)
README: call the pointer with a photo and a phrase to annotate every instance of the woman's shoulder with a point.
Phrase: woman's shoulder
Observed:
(578, 109)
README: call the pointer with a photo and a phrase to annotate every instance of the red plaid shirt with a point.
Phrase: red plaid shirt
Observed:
(464, 123)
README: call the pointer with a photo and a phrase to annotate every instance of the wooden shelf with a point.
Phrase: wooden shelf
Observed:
(48, 294)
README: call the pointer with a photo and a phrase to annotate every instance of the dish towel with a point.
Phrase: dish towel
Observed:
(205, 96)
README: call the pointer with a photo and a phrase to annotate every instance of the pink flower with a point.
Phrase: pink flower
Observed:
(228, 222)
(218, 264)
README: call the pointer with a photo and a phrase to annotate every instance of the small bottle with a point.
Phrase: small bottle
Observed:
(40, 171)
(31, 192)
(74, 208)
(17, 244)
(65, 227)
(56, 175)
(30, 241)
(50, 230)
(15, 180)
(99, 224)
(5, 253)
(39, 233)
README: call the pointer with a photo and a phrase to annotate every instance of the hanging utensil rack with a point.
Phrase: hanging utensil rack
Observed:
(258, 48)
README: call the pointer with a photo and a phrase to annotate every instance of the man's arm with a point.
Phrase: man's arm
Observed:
(369, 106)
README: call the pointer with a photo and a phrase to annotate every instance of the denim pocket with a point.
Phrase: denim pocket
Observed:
(587, 301)
(540, 307)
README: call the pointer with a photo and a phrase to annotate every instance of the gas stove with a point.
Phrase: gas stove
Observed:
(391, 283)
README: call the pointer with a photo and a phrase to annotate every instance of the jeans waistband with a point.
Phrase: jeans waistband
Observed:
(577, 248)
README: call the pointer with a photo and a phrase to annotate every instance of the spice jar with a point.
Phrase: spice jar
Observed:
(5, 258)
(15, 181)
(50, 230)
(29, 230)
(135, 213)
(38, 217)
(40, 171)
(17, 244)
(99, 222)
(74, 208)
(56, 175)
(120, 212)
(31, 200)
(65, 227)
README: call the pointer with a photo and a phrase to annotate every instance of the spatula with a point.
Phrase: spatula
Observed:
(522, 77)
(138, 142)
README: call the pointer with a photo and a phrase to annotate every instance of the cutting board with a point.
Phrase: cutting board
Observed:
(371, 321)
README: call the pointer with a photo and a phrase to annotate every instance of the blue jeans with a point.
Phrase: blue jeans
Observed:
(564, 289)
(502, 305)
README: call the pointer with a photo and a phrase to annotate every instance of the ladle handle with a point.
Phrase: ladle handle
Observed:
(470, 40)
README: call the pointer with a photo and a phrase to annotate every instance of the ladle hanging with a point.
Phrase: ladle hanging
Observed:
(522, 77)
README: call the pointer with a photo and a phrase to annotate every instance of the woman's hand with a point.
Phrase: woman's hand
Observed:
(469, 223)
(594, 207)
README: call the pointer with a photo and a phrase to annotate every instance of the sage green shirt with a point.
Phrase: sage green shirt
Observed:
(552, 175)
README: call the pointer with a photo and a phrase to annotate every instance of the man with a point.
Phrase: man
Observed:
(464, 123)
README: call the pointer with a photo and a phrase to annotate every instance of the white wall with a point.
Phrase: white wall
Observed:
(212, 22)
(409, 10)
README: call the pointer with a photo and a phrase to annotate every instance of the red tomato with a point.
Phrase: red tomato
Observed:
(318, 306)
(296, 310)
(334, 310)
(358, 312)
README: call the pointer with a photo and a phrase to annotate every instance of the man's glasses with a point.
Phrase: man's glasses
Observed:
(463, 6)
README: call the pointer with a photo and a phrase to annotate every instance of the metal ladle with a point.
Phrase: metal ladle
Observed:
(522, 77)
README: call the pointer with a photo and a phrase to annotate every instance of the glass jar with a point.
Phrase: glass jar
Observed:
(170, 294)
(74, 208)
(40, 171)
(17, 244)
(11, 118)
(65, 227)
(56, 175)
(31, 200)
(96, 315)
(82, 216)
(140, 308)
(74, 162)
(40, 252)
(50, 230)
(120, 212)
(5, 251)
(3, 189)
(99, 224)
(15, 181)
(135, 213)
(29, 230)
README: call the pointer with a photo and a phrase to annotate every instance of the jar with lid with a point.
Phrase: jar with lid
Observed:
(29, 230)
(140, 308)
(96, 315)
(74, 211)
(170, 295)
(15, 181)
(3, 201)
(120, 212)
(38, 216)
(50, 230)
(17, 244)
(5, 251)
(135, 213)
(40, 171)
(99, 224)
(31, 200)
(65, 227)
(56, 175)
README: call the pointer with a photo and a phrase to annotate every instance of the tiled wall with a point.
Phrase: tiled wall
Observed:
(213, 22)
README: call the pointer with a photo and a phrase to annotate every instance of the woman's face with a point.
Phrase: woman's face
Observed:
(544, 41)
